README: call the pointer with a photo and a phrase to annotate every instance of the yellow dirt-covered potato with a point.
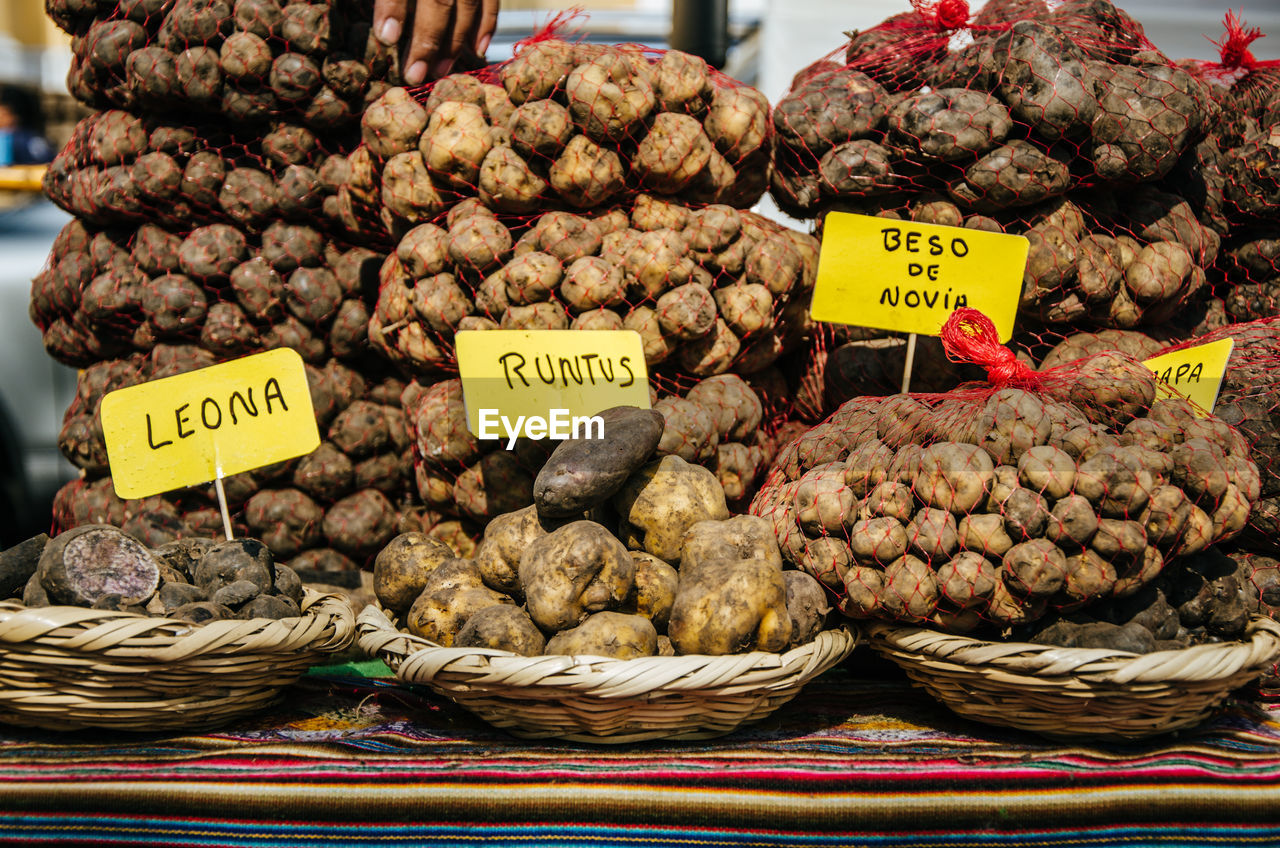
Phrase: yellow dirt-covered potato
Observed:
(967, 580)
(614, 635)
(591, 283)
(689, 429)
(910, 589)
(730, 606)
(505, 540)
(454, 144)
(401, 569)
(503, 628)
(686, 312)
(711, 354)
(747, 308)
(540, 129)
(983, 533)
(424, 251)
(662, 501)
(682, 83)
(453, 593)
(653, 213)
(597, 319)
(537, 71)
(531, 277)
(610, 96)
(738, 121)
(586, 174)
(407, 189)
(535, 316)
(672, 153)
(654, 589)
(877, 541)
(573, 571)
(508, 184)
(737, 466)
(740, 537)
(643, 320)
(953, 476)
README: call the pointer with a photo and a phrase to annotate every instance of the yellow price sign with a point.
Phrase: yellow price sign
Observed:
(1194, 373)
(909, 277)
(547, 383)
(194, 427)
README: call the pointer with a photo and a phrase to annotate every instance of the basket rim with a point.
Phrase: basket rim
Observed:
(1196, 663)
(327, 623)
(590, 675)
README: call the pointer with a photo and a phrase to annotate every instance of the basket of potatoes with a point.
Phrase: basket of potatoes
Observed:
(1036, 552)
(625, 604)
(109, 633)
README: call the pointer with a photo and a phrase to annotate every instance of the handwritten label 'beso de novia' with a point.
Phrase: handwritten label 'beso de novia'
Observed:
(531, 372)
(909, 277)
(180, 431)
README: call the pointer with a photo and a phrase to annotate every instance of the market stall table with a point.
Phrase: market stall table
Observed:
(353, 761)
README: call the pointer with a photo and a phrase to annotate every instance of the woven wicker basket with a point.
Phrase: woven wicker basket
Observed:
(1078, 692)
(593, 699)
(66, 668)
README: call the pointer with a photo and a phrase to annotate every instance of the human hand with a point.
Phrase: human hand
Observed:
(443, 32)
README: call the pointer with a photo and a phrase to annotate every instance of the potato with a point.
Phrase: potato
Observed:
(654, 589)
(741, 537)
(1044, 79)
(393, 123)
(953, 476)
(726, 606)
(672, 153)
(662, 500)
(689, 429)
(967, 580)
(686, 312)
(910, 589)
(807, 605)
(1118, 540)
(597, 319)
(805, 121)
(644, 320)
(737, 409)
(1025, 513)
(508, 184)
(501, 627)
(608, 96)
(536, 316)
(1089, 577)
(573, 571)
(866, 466)
(1014, 174)
(590, 283)
(877, 540)
(711, 354)
(455, 143)
(889, 499)
(89, 562)
(608, 634)
(453, 594)
(585, 174)
(584, 472)
(738, 121)
(950, 123)
(1110, 480)
(537, 71)
(407, 189)
(1047, 470)
(402, 568)
(1071, 523)
(932, 533)
(540, 129)
(566, 236)
(822, 503)
(1035, 567)
(361, 523)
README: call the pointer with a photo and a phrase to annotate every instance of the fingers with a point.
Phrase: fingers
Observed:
(466, 22)
(488, 24)
(432, 19)
(388, 21)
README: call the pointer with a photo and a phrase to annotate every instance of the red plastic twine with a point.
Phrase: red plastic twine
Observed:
(1233, 49)
(944, 14)
(551, 29)
(969, 336)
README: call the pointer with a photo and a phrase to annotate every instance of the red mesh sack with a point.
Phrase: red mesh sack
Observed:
(996, 504)
(710, 289)
(567, 125)
(1014, 108)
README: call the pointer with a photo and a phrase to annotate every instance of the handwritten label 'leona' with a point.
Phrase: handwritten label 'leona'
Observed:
(1193, 372)
(528, 374)
(908, 277)
(182, 430)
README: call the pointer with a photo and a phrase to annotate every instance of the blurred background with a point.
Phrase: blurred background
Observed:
(761, 42)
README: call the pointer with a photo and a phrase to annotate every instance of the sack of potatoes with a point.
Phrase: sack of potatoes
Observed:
(620, 555)
(995, 504)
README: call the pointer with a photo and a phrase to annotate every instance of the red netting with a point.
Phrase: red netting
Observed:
(997, 503)
(567, 125)
(710, 290)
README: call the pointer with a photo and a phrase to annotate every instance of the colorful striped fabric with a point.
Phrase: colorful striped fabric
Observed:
(853, 761)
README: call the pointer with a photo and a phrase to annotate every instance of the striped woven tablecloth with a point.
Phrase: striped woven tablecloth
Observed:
(853, 761)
